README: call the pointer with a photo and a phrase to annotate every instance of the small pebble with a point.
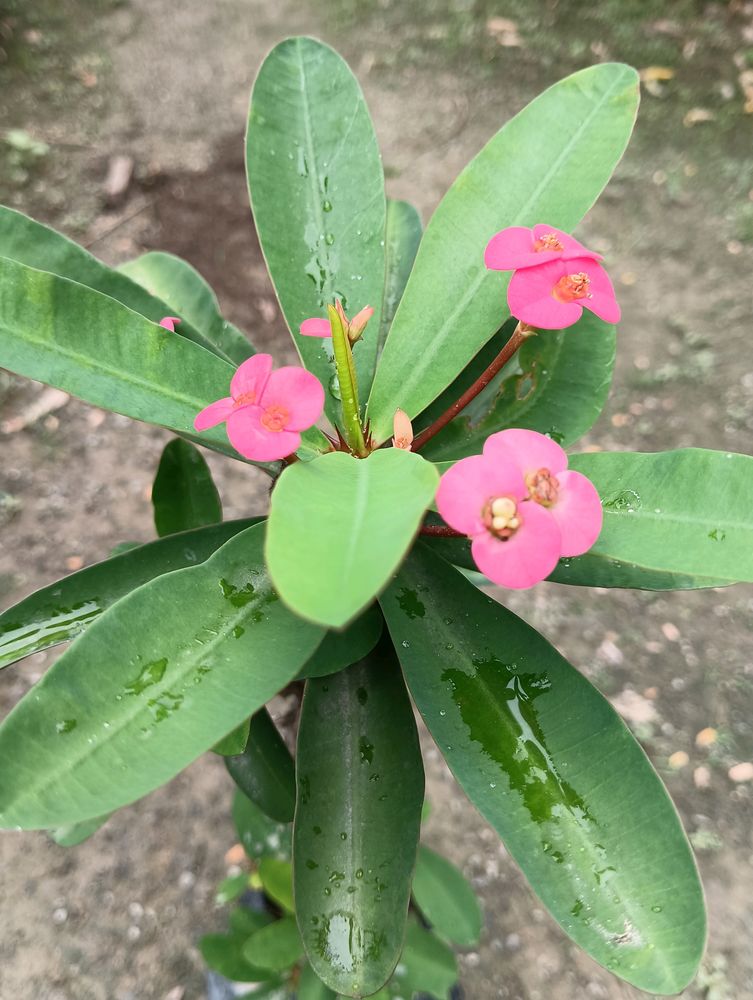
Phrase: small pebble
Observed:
(133, 933)
(73, 563)
(670, 631)
(706, 737)
(60, 915)
(187, 880)
(512, 942)
(702, 777)
(741, 772)
(678, 760)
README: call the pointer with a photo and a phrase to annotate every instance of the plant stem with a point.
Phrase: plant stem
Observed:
(440, 531)
(346, 376)
(520, 333)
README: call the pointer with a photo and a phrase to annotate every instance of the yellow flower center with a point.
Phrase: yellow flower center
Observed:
(245, 399)
(501, 518)
(543, 487)
(275, 418)
(572, 287)
(549, 241)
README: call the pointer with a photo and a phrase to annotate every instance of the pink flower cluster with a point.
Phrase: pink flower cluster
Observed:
(555, 277)
(266, 410)
(521, 506)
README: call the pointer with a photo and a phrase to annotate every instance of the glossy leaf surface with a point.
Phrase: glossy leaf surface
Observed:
(556, 384)
(189, 296)
(317, 193)
(67, 335)
(339, 526)
(31, 243)
(402, 237)
(446, 899)
(154, 683)
(235, 741)
(67, 607)
(548, 164)
(184, 495)
(265, 770)
(685, 512)
(549, 763)
(360, 790)
(340, 649)
(260, 836)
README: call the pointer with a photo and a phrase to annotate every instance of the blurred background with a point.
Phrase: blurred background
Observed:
(121, 124)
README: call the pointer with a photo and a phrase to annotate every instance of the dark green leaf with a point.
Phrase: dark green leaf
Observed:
(67, 607)
(276, 876)
(231, 888)
(275, 947)
(265, 770)
(547, 761)
(360, 790)
(244, 921)
(317, 192)
(184, 495)
(190, 297)
(329, 568)
(235, 741)
(548, 164)
(402, 236)
(261, 836)
(310, 986)
(340, 649)
(152, 684)
(224, 954)
(426, 965)
(446, 900)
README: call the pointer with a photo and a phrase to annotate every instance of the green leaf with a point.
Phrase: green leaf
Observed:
(426, 965)
(235, 741)
(310, 986)
(446, 900)
(340, 649)
(65, 334)
(547, 761)
(265, 770)
(339, 526)
(277, 878)
(189, 296)
(360, 790)
(155, 682)
(231, 888)
(557, 384)
(317, 193)
(548, 164)
(184, 495)
(224, 954)
(261, 836)
(245, 921)
(66, 608)
(401, 240)
(276, 946)
(29, 242)
(686, 513)
(76, 833)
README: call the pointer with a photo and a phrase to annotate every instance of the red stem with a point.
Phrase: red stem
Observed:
(520, 333)
(440, 531)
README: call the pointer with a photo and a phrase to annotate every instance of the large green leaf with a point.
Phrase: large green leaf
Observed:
(401, 240)
(260, 836)
(445, 898)
(557, 384)
(548, 164)
(360, 791)
(686, 513)
(265, 770)
(549, 763)
(276, 875)
(427, 966)
(29, 242)
(155, 682)
(224, 952)
(339, 526)
(189, 296)
(63, 610)
(340, 649)
(184, 495)
(57, 331)
(317, 193)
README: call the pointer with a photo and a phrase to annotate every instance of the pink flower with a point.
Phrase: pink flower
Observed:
(169, 322)
(521, 506)
(266, 411)
(519, 246)
(553, 295)
(315, 327)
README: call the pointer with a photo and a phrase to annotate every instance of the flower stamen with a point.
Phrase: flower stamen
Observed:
(500, 517)
(549, 241)
(275, 418)
(572, 287)
(543, 487)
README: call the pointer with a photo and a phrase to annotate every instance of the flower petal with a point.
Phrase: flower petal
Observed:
(529, 450)
(213, 414)
(250, 379)
(526, 558)
(297, 391)
(572, 247)
(602, 300)
(315, 327)
(169, 322)
(578, 512)
(511, 248)
(252, 440)
(530, 298)
(469, 484)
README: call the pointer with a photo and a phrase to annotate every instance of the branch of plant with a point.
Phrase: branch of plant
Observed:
(521, 333)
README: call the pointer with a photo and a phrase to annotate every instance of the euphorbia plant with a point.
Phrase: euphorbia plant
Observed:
(352, 584)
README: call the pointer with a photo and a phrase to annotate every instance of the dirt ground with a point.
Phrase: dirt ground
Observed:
(166, 82)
